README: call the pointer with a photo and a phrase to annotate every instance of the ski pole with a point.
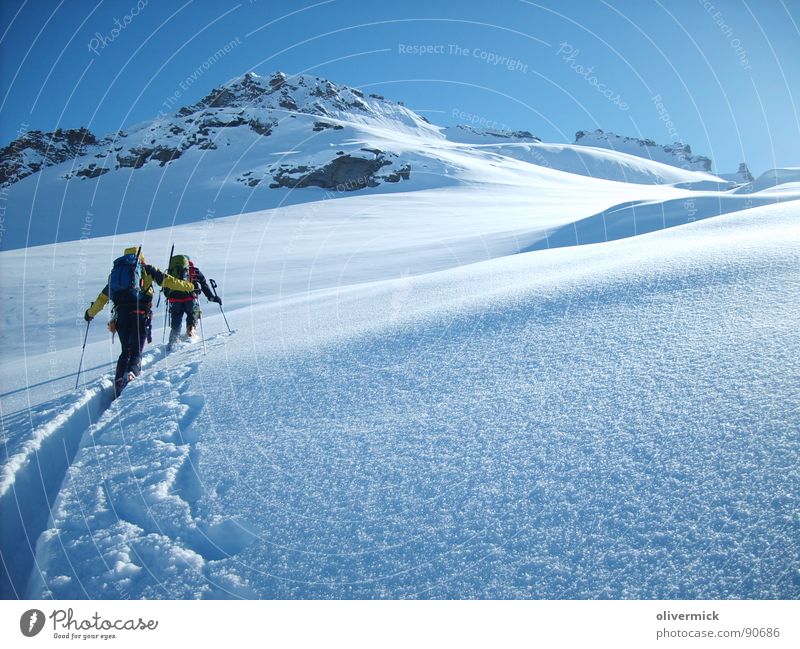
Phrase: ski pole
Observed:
(83, 350)
(158, 303)
(214, 288)
(202, 335)
(166, 317)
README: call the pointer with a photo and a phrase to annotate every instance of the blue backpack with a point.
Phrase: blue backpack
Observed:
(125, 281)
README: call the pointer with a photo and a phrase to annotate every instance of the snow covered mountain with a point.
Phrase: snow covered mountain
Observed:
(677, 154)
(261, 142)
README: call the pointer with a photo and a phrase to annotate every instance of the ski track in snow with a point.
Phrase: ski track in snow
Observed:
(136, 515)
(35, 465)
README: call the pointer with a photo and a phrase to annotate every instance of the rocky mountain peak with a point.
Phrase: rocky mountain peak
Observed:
(300, 93)
(744, 173)
(676, 154)
(36, 149)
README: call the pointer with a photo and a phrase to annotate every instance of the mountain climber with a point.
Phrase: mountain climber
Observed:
(130, 288)
(183, 302)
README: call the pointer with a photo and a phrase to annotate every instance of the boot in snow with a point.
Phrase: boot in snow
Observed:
(120, 383)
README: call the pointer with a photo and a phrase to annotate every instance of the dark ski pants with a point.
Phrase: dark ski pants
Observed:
(191, 308)
(133, 329)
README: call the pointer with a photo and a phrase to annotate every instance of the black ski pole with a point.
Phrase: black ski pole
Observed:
(83, 350)
(166, 317)
(214, 288)
(158, 303)
(202, 335)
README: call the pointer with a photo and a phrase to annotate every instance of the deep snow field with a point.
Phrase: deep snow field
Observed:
(538, 385)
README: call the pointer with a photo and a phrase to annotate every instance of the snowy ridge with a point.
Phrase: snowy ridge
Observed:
(467, 134)
(677, 154)
(640, 217)
(602, 163)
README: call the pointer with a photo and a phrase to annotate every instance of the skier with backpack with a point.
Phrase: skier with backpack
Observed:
(186, 302)
(130, 288)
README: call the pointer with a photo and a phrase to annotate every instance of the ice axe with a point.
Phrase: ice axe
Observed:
(214, 288)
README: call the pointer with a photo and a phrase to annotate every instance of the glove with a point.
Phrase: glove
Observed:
(87, 317)
(217, 299)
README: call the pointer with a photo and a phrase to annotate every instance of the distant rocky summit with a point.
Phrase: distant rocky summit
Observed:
(249, 103)
(742, 175)
(676, 154)
(35, 150)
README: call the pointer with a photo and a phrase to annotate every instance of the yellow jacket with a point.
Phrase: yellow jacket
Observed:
(150, 274)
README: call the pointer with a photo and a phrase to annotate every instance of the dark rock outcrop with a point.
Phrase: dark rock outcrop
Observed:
(744, 173)
(140, 155)
(403, 173)
(321, 126)
(35, 150)
(345, 173)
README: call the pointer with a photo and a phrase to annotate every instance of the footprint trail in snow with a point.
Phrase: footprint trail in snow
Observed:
(134, 495)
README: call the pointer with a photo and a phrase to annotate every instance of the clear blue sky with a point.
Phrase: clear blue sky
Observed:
(727, 71)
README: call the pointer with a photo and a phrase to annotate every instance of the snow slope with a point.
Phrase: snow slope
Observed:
(376, 479)
(609, 420)
(601, 163)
